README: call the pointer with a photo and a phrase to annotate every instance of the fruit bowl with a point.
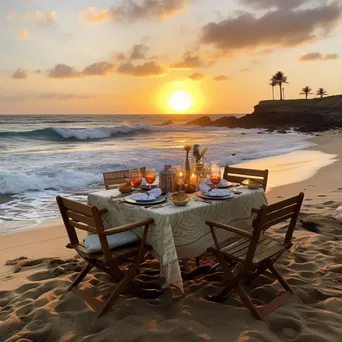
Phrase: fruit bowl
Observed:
(125, 188)
(180, 199)
(251, 184)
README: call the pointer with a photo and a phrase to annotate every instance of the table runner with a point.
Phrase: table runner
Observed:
(178, 232)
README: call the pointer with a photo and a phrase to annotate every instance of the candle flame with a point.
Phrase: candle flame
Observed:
(193, 175)
(181, 174)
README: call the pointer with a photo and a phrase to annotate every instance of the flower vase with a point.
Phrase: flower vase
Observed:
(187, 168)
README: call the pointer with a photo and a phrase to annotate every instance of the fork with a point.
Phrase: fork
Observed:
(202, 200)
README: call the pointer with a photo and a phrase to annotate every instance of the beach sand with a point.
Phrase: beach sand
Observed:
(30, 288)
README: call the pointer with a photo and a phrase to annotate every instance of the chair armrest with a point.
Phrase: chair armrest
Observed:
(255, 211)
(128, 226)
(229, 228)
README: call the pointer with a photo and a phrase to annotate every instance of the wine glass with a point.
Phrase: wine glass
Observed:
(135, 177)
(150, 176)
(215, 177)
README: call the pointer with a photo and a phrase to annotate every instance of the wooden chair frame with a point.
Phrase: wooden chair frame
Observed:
(113, 179)
(87, 218)
(237, 175)
(244, 261)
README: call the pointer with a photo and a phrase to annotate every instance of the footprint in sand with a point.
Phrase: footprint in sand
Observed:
(308, 199)
(322, 196)
(330, 203)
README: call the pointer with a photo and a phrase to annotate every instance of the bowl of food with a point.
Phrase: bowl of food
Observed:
(125, 188)
(251, 184)
(180, 199)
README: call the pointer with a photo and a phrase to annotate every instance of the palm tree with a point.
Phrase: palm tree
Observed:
(279, 78)
(321, 92)
(306, 91)
(273, 84)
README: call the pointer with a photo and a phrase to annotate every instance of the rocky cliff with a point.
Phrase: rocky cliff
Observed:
(303, 115)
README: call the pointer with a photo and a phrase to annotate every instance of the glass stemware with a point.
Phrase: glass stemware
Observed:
(135, 177)
(150, 176)
(215, 177)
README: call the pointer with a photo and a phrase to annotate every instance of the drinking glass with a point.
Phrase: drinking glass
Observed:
(215, 165)
(215, 177)
(135, 177)
(150, 176)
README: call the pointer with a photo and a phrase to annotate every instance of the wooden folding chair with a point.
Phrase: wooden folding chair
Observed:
(87, 218)
(254, 253)
(237, 175)
(114, 178)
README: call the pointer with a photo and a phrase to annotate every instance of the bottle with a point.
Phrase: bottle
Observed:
(167, 179)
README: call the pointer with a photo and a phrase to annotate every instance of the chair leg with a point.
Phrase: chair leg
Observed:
(121, 287)
(198, 261)
(248, 303)
(79, 278)
(281, 280)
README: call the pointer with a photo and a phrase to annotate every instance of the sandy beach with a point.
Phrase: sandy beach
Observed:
(30, 287)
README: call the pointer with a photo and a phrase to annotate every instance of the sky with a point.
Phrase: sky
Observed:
(131, 56)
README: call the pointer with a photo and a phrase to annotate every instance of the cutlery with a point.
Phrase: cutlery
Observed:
(202, 200)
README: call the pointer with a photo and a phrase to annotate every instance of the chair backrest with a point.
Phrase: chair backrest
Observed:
(114, 178)
(81, 216)
(270, 215)
(237, 175)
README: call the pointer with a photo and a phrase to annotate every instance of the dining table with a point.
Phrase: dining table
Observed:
(180, 232)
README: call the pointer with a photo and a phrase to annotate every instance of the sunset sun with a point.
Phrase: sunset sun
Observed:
(180, 101)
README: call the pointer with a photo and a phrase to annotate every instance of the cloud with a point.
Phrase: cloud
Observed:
(146, 69)
(98, 69)
(266, 4)
(139, 51)
(44, 96)
(63, 96)
(133, 10)
(221, 78)
(191, 59)
(196, 76)
(90, 15)
(11, 16)
(42, 19)
(20, 74)
(284, 28)
(262, 52)
(317, 56)
(22, 34)
(63, 71)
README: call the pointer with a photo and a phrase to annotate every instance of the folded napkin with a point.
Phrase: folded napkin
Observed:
(205, 188)
(148, 196)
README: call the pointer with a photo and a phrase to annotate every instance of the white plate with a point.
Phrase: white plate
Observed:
(136, 197)
(158, 200)
(222, 185)
(229, 194)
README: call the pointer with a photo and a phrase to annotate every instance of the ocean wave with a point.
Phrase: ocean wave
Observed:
(22, 182)
(81, 134)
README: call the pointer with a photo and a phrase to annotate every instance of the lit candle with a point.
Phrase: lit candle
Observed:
(193, 179)
(181, 177)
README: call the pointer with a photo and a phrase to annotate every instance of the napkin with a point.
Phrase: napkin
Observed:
(205, 188)
(148, 196)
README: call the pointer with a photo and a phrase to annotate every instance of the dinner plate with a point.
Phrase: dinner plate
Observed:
(147, 186)
(222, 185)
(158, 200)
(207, 195)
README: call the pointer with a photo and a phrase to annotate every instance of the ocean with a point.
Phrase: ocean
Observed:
(45, 156)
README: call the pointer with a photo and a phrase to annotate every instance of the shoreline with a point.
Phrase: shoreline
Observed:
(319, 158)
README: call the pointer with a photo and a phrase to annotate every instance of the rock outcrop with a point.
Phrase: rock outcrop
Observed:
(304, 115)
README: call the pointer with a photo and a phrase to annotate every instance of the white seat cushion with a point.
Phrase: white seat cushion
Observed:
(93, 245)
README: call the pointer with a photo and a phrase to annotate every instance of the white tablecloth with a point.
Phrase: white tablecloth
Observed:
(179, 232)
